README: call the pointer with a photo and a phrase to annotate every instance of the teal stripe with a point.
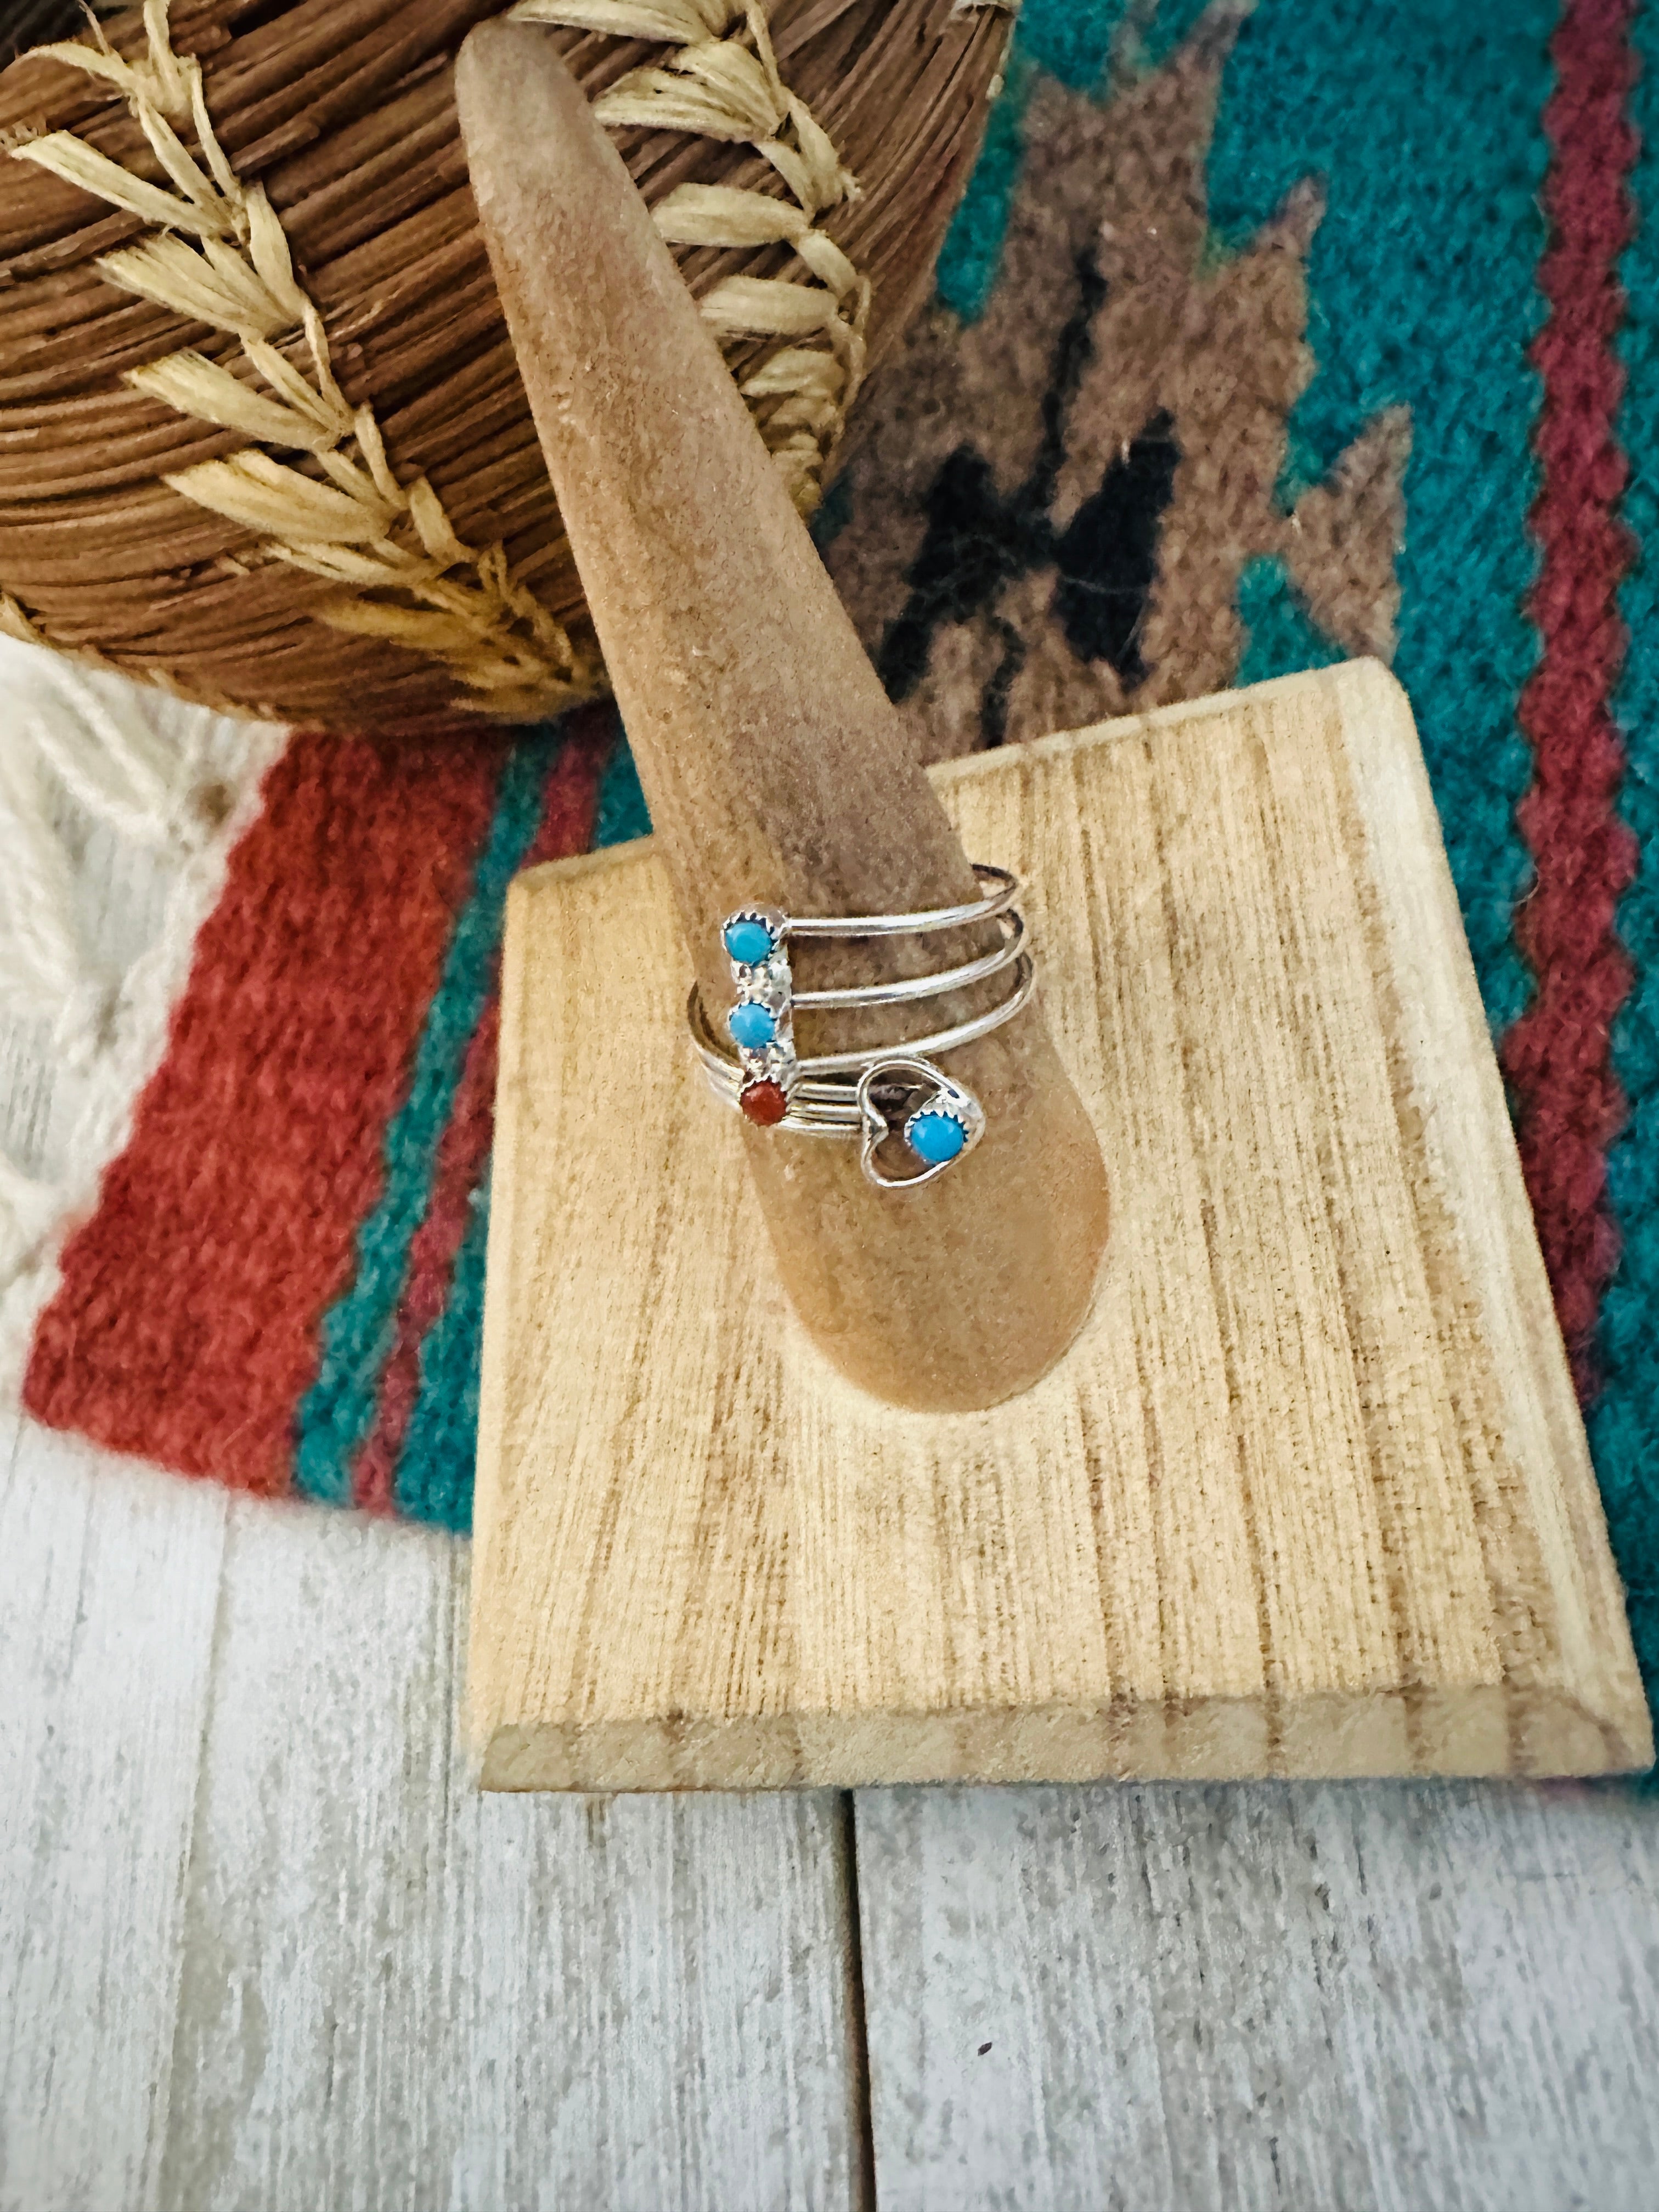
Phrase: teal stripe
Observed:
(1071, 40)
(434, 1479)
(1425, 121)
(971, 255)
(1624, 1424)
(335, 1414)
(620, 812)
(434, 1474)
(1280, 634)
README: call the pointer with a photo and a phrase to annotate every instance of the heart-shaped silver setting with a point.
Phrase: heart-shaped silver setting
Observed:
(941, 1101)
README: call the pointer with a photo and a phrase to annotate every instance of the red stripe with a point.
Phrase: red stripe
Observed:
(185, 1326)
(567, 827)
(1558, 1056)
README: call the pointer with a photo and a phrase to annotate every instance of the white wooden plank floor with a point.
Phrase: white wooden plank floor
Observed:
(261, 1946)
(1357, 1995)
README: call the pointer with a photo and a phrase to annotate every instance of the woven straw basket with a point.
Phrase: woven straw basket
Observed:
(262, 437)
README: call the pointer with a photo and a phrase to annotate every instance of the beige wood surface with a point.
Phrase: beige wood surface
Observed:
(1309, 1495)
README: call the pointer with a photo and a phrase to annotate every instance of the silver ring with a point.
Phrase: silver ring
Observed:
(1005, 890)
(924, 987)
(838, 1094)
(726, 1071)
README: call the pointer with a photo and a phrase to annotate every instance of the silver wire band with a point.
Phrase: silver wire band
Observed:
(726, 1074)
(995, 902)
(921, 987)
(891, 1090)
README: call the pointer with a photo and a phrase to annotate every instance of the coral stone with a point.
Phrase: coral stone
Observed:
(765, 1103)
(751, 1025)
(935, 1138)
(748, 942)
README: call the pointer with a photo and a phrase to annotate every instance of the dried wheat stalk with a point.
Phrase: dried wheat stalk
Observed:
(296, 285)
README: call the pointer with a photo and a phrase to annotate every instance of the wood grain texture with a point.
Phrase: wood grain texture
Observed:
(1208, 1999)
(107, 1591)
(1309, 1495)
(262, 1948)
(776, 767)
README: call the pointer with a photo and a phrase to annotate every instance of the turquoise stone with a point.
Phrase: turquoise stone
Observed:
(751, 1025)
(935, 1138)
(748, 942)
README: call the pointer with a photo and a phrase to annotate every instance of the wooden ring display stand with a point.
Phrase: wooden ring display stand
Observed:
(1307, 1493)
(776, 767)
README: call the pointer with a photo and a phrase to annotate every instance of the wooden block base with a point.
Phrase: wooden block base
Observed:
(1309, 1495)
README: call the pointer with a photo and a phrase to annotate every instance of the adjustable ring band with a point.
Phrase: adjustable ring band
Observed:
(860, 1094)
(1005, 890)
(923, 986)
(771, 990)
(945, 1121)
(727, 1073)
